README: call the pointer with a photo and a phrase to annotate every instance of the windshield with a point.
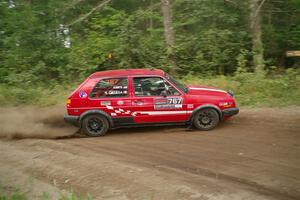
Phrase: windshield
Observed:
(179, 85)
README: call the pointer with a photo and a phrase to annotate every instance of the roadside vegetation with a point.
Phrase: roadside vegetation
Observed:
(18, 195)
(250, 89)
(275, 89)
(48, 48)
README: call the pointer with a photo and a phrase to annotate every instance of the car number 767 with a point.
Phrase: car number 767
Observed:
(174, 100)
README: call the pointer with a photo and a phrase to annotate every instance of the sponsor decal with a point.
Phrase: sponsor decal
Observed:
(120, 102)
(160, 101)
(168, 103)
(119, 87)
(168, 106)
(82, 94)
(178, 105)
(190, 106)
(113, 92)
(117, 90)
(105, 103)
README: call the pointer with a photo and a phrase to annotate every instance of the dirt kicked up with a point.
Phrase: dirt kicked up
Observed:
(33, 122)
(255, 155)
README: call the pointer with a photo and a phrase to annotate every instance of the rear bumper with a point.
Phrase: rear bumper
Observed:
(74, 120)
(230, 112)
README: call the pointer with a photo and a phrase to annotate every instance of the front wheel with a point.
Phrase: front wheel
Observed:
(95, 125)
(206, 119)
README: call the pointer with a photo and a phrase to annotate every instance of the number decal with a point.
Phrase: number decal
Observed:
(174, 100)
(167, 103)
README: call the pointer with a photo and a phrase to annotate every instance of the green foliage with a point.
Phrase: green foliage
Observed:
(101, 38)
(43, 95)
(281, 32)
(73, 196)
(140, 47)
(18, 195)
(251, 89)
(210, 36)
(211, 39)
(30, 51)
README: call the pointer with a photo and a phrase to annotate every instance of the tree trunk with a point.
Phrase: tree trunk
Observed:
(169, 32)
(151, 20)
(255, 30)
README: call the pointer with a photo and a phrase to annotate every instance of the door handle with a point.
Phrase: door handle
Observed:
(138, 102)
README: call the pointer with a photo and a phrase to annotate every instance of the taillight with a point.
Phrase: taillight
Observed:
(68, 102)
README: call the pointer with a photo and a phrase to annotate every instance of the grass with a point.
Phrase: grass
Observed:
(35, 95)
(18, 195)
(272, 90)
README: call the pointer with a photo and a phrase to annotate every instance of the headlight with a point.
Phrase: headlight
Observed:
(225, 104)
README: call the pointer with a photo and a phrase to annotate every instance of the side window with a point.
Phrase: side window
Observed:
(111, 87)
(152, 86)
(171, 90)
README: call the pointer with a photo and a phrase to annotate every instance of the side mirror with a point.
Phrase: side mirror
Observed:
(164, 93)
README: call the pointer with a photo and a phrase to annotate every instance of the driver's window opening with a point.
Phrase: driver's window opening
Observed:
(153, 86)
(111, 87)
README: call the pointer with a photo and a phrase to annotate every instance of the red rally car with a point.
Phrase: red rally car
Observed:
(139, 97)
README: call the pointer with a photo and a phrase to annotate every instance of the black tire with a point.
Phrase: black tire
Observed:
(206, 119)
(95, 125)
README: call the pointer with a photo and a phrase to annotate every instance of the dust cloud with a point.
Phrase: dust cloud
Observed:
(34, 122)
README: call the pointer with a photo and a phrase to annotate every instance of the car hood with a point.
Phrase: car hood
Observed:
(205, 90)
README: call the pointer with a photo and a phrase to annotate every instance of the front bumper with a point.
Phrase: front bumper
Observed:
(230, 112)
(74, 120)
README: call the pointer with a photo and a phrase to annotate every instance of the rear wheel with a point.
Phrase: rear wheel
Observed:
(95, 125)
(206, 119)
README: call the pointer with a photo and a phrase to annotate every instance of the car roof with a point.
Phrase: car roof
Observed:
(127, 72)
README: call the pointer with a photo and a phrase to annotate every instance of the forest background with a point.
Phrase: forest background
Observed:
(47, 47)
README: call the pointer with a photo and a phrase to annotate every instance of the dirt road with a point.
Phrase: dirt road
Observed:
(255, 155)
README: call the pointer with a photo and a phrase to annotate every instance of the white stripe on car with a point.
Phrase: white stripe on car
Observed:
(207, 89)
(165, 112)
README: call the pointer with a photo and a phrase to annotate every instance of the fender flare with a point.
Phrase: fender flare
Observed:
(206, 106)
(99, 112)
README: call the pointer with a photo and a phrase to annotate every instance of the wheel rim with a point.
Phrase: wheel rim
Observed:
(94, 125)
(205, 119)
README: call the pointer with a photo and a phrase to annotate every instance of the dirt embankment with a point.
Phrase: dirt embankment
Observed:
(255, 156)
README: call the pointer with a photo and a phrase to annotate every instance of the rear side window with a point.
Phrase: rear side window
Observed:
(111, 87)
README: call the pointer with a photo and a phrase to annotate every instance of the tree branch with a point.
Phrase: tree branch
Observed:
(259, 7)
(74, 3)
(100, 5)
